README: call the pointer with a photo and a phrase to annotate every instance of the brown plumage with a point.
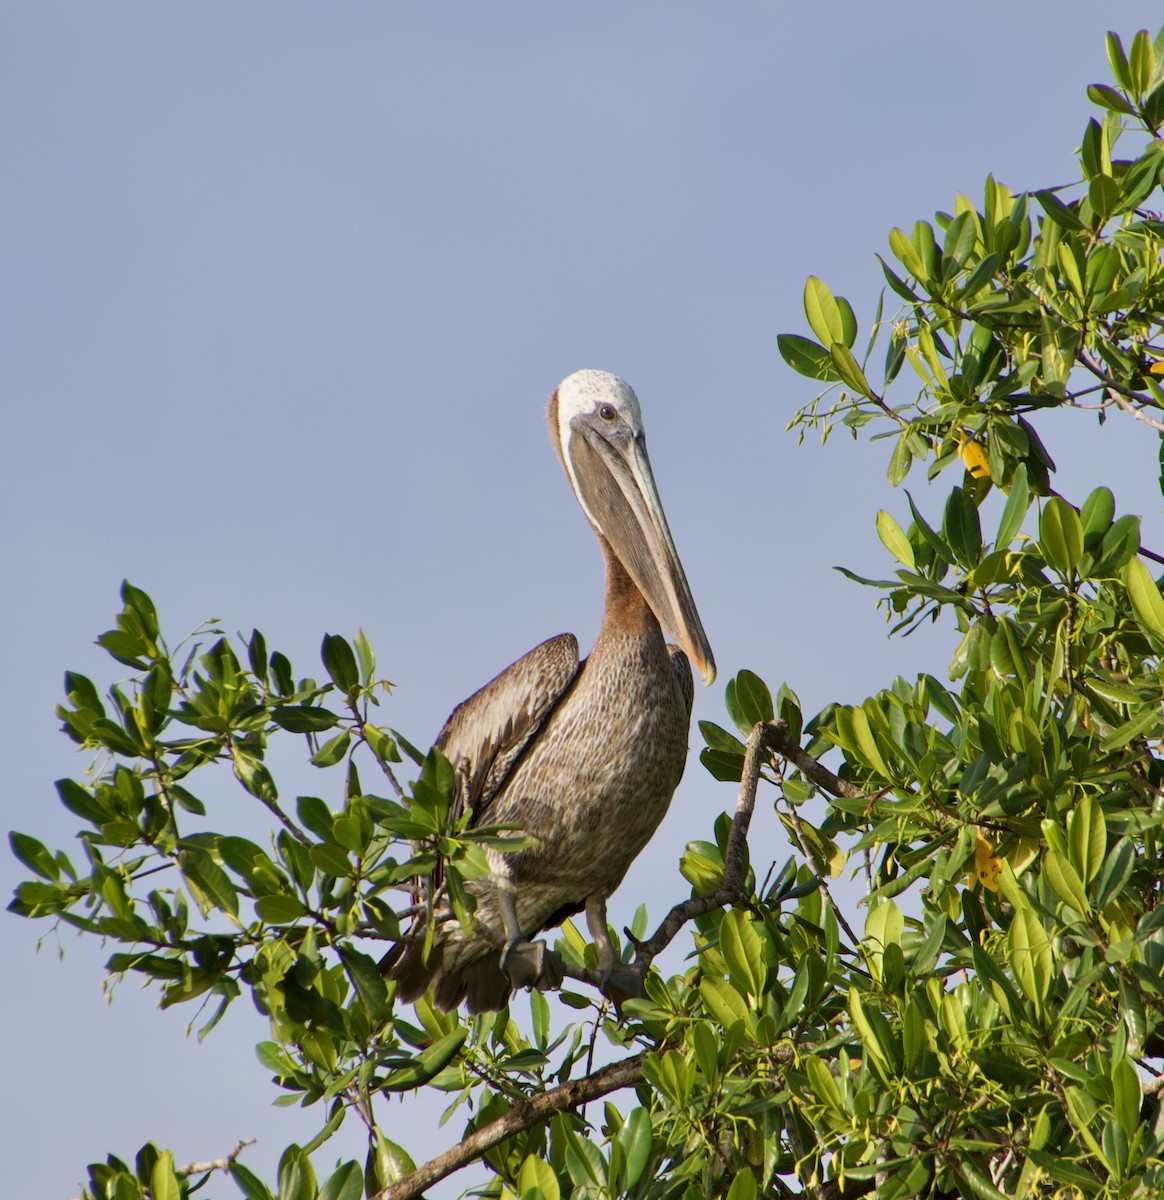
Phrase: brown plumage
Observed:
(584, 757)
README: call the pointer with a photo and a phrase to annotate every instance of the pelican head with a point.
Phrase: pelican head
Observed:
(597, 429)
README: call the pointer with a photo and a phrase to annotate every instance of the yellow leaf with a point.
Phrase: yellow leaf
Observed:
(1157, 368)
(987, 864)
(973, 457)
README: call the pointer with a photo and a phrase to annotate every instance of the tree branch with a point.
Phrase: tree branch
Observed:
(216, 1164)
(1122, 396)
(763, 739)
(523, 1114)
(1138, 413)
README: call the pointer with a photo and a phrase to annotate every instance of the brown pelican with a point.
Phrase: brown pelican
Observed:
(582, 756)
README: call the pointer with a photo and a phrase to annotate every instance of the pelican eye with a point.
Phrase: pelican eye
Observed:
(607, 412)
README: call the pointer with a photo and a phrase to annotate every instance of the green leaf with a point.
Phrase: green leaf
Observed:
(1127, 1095)
(962, 529)
(164, 1179)
(209, 879)
(1061, 535)
(1066, 882)
(722, 1000)
(537, 1176)
(849, 370)
(303, 718)
(35, 856)
(894, 540)
(332, 751)
(848, 321)
(635, 1138)
(429, 1064)
(743, 1186)
(1031, 958)
(346, 1182)
(743, 951)
(253, 774)
(670, 1074)
(367, 980)
(876, 1035)
(367, 658)
(824, 315)
(331, 859)
(905, 253)
(127, 648)
(1105, 97)
(137, 602)
(1096, 516)
(1104, 194)
(393, 1162)
(883, 928)
(340, 662)
(748, 701)
(900, 461)
(1064, 217)
(806, 357)
(257, 656)
(1141, 63)
(279, 909)
(1118, 60)
(1087, 837)
(1147, 603)
(251, 1186)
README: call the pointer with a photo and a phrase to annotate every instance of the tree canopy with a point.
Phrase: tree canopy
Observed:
(990, 1026)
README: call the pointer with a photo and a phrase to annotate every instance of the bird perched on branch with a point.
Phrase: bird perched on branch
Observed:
(583, 756)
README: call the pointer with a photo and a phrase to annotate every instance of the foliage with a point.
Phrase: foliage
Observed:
(995, 1028)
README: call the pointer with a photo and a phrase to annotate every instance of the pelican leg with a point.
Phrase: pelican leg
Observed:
(619, 981)
(528, 964)
(596, 923)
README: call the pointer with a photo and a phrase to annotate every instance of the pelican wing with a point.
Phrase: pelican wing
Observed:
(681, 665)
(486, 734)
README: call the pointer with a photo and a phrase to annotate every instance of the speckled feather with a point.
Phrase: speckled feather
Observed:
(582, 757)
(587, 763)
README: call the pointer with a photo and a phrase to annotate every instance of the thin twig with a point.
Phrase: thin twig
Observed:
(1123, 396)
(523, 1114)
(1138, 413)
(214, 1164)
(821, 871)
(763, 739)
(217, 1164)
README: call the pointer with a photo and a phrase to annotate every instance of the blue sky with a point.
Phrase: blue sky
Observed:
(285, 290)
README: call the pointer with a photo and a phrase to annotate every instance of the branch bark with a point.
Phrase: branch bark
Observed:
(524, 1114)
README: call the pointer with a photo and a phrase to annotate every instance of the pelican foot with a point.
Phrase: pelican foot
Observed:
(621, 983)
(532, 964)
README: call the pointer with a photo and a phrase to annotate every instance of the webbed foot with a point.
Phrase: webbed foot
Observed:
(532, 964)
(621, 983)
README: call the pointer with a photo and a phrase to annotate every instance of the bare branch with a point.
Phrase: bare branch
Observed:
(524, 1114)
(811, 768)
(216, 1164)
(1138, 413)
(763, 739)
(1126, 398)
